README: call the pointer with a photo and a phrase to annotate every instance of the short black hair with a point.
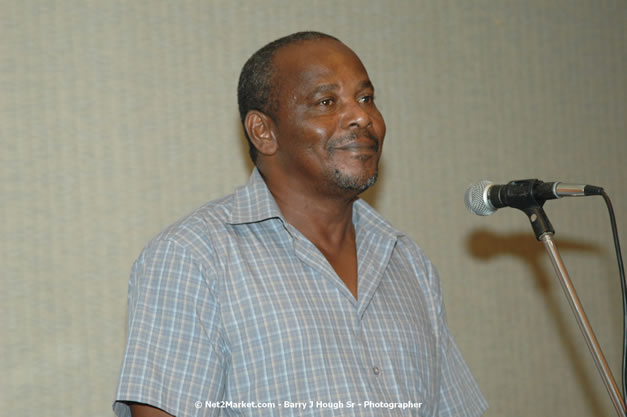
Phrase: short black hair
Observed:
(256, 89)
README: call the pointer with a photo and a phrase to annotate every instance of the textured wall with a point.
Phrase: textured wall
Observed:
(117, 118)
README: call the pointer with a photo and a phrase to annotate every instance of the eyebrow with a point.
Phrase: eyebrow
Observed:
(365, 84)
(325, 88)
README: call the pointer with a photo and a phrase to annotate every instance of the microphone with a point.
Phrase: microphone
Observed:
(484, 198)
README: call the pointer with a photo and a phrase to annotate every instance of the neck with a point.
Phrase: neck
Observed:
(326, 220)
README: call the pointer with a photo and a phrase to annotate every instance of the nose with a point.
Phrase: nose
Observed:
(356, 116)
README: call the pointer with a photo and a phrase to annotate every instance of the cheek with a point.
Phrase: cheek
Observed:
(316, 135)
(380, 128)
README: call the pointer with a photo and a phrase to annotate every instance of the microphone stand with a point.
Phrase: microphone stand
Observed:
(544, 233)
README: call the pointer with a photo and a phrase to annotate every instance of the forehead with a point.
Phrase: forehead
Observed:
(308, 63)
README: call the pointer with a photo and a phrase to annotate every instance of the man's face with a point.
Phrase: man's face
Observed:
(329, 130)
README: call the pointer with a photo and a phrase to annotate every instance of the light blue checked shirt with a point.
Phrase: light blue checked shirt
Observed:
(233, 312)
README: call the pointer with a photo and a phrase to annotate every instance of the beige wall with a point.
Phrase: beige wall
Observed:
(118, 117)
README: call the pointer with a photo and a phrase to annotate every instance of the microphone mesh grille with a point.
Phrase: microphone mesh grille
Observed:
(476, 201)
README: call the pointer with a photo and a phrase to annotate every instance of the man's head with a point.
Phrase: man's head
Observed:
(315, 125)
(257, 87)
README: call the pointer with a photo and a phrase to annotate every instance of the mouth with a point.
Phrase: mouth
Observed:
(356, 142)
(359, 146)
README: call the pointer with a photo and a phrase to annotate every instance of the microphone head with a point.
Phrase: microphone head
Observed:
(476, 199)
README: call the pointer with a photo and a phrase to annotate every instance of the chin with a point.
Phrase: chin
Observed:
(354, 183)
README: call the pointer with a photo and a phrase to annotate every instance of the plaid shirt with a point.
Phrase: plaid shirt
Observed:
(232, 311)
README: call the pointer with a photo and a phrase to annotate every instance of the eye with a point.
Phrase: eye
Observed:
(367, 99)
(326, 102)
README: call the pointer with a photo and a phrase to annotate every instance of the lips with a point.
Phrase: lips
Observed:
(357, 141)
(359, 145)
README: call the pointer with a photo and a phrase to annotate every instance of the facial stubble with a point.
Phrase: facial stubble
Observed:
(354, 184)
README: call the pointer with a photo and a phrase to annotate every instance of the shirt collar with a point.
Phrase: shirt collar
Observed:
(367, 220)
(254, 203)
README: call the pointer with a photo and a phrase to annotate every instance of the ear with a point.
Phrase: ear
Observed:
(260, 129)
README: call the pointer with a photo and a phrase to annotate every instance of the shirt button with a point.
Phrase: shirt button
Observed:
(375, 370)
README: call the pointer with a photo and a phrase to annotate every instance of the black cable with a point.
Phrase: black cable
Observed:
(621, 272)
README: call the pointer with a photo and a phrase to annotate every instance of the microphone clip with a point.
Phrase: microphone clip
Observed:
(539, 221)
(528, 196)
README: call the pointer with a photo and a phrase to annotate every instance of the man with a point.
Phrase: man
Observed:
(292, 296)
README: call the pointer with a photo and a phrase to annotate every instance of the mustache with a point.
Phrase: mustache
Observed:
(357, 134)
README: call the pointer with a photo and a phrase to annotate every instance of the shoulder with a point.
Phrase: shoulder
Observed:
(185, 251)
(409, 248)
(196, 232)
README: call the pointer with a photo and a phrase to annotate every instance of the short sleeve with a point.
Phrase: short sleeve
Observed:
(459, 393)
(175, 354)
